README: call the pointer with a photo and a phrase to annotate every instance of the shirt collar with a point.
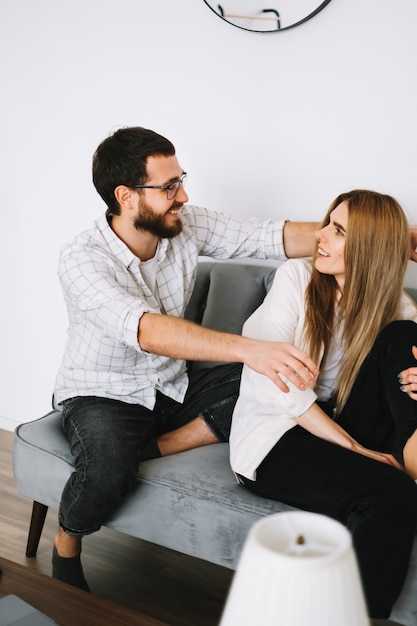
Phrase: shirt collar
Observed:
(119, 248)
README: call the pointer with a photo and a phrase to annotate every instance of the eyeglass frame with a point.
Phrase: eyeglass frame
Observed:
(175, 185)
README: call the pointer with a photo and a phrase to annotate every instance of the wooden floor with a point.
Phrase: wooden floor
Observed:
(169, 586)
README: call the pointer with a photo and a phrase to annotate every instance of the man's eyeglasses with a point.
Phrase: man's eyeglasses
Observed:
(171, 189)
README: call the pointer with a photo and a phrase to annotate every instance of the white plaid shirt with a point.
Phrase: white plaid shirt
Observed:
(106, 295)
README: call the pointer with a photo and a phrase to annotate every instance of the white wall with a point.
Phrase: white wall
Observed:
(270, 124)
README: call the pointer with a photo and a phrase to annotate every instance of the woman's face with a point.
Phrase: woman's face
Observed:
(330, 257)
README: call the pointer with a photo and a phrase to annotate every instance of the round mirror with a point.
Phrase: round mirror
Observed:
(277, 16)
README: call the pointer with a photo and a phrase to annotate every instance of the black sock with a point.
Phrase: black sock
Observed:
(69, 570)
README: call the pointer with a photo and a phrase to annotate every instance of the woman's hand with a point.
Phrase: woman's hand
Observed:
(382, 457)
(408, 378)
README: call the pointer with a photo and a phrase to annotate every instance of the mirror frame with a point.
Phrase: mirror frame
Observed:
(278, 30)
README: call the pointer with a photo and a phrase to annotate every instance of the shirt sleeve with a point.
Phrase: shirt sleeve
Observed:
(100, 294)
(224, 237)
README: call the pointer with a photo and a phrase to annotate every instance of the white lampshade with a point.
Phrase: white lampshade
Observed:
(296, 569)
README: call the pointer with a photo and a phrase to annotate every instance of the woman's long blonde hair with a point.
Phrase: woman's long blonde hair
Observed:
(376, 253)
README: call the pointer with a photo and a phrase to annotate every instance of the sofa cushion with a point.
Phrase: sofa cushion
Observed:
(233, 294)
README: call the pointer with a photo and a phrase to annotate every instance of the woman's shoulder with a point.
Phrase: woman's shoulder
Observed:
(283, 307)
(290, 283)
(295, 269)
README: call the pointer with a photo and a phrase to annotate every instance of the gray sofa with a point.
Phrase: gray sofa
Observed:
(189, 502)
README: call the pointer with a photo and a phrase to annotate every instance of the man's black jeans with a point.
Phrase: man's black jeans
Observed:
(107, 437)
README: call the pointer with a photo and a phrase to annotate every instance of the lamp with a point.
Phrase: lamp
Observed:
(296, 569)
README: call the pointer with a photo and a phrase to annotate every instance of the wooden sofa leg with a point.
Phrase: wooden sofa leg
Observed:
(37, 521)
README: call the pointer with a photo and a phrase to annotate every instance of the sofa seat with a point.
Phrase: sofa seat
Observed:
(190, 502)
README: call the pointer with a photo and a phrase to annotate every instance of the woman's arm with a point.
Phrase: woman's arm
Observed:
(408, 381)
(318, 423)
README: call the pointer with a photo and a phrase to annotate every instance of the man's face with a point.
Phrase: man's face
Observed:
(156, 214)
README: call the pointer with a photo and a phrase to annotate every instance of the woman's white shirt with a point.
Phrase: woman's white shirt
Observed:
(263, 413)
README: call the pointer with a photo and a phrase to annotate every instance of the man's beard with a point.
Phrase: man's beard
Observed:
(155, 224)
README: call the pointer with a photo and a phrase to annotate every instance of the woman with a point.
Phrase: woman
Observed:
(348, 449)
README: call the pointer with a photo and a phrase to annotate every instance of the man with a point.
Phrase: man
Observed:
(122, 385)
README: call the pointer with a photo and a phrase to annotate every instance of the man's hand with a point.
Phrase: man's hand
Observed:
(413, 252)
(276, 359)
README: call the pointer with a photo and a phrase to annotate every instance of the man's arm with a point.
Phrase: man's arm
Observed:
(299, 239)
(180, 339)
(413, 253)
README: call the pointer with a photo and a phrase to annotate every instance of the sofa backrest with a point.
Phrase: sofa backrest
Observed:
(225, 295)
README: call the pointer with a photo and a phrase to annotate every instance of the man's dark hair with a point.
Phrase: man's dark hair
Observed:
(121, 160)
